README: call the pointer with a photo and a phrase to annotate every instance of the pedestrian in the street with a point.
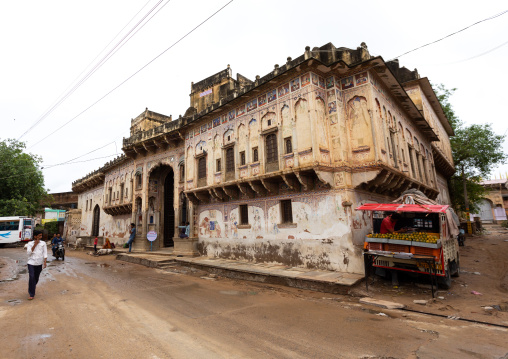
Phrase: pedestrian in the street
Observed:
(37, 256)
(185, 230)
(95, 244)
(132, 235)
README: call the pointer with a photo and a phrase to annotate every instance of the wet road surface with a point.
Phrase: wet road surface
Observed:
(97, 307)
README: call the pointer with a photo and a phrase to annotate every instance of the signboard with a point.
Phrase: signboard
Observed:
(151, 236)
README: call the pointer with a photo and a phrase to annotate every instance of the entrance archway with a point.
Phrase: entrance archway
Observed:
(96, 220)
(169, 210)
(485, 206)
(161, 209)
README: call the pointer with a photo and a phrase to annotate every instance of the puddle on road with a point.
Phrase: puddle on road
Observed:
(230, 292)
(35, 338)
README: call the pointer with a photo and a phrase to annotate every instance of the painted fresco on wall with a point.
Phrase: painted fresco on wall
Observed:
(283, 90)
(347, 83)
(204, 128)
(330, 81)
(252, 105)
(295, 84)
(216, 122)
(209, 125)
(359, 118)
(231, 115)
(272, 95)
(314, 79)
(332, 107)
(361, 79)
(262, 100)
(240, 111)
(330, 94)
(321, 82)
(322, 237)
(305, 80)
(224, 119)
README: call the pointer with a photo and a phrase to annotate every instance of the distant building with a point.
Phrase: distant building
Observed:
(272, 169)
(493, 208)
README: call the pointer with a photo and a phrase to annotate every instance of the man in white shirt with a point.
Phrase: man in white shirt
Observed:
(37, 256)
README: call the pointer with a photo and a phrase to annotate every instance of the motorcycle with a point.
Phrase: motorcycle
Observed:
(60, 251)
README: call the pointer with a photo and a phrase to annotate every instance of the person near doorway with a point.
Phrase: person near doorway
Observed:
(185, 230)
(95, 241)
(37, 251)
(388, 224)
(132, 235)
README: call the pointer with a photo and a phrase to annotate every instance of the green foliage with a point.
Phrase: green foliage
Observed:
(21, 180)
(504, 224)
(475, 192)
(476, 149)
(52, 227)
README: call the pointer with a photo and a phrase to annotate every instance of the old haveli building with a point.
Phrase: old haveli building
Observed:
(271, 170)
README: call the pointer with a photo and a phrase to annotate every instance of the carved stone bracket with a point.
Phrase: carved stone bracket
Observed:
(304, 180)
(232, 192)
(202, 196)
(191, 197)
(290, 182)
(246, 190)
(271, 187)
(259, 189)
(325, 177)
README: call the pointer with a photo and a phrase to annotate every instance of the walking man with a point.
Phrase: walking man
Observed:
(37, 255)
(132, 232)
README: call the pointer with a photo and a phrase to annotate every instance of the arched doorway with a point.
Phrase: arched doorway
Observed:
(96, 220)
(486, 210)
(161, 206)
(169, 210)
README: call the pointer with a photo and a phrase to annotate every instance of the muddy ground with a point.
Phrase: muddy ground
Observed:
(97, 307)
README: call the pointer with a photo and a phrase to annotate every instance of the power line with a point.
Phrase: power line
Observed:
(98, 65)
(134, 74)
(47, 167)
(456, 32)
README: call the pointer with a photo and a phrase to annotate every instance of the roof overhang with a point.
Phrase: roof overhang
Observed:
(428, 91)
(395, 207)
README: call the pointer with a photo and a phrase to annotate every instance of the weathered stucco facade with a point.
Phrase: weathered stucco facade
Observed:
(272, 170)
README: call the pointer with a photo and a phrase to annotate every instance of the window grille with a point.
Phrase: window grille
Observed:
(271, 148)
(230, 160)
(202, 167)
(242, 158)
(287, 211)
(255, 154)
(218, 166)
(244, 214)
(289, 145)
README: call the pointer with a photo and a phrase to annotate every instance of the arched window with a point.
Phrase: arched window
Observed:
(202, 167)
(271, 148)
(230, 160)
(289, 145)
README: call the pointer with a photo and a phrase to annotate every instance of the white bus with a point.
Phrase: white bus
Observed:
(16, 229)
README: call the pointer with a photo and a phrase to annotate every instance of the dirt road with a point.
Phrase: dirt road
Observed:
(89, 307)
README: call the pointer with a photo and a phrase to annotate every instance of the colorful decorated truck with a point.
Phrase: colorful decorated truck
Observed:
(426, 241)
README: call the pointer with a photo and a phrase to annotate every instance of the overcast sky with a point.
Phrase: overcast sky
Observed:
(46, 46)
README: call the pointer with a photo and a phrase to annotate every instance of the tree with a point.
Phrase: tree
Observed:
(21, 180)
(476, 149)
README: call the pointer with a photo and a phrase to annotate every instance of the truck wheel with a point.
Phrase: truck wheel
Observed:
(446, 281)
(456, 268)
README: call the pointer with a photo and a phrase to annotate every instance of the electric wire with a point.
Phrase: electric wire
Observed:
(98, 65)
(135, 73)
(454, 33)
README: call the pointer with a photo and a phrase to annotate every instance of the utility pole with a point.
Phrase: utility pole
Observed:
(466, 201)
